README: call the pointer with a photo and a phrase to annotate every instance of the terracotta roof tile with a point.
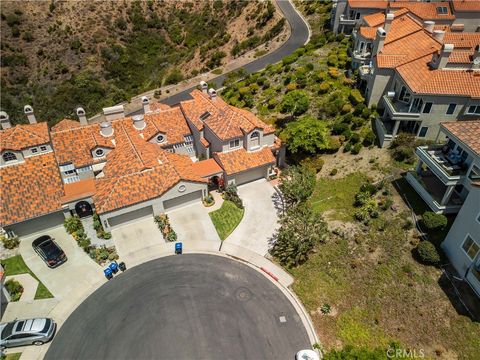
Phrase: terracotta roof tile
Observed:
(466, 5)
(467, 132)
(66, 124)
(368, 32)
(204, 142)
(156, 106)
(169, 122)
(462, 40)
(240, 160)
(23, 136)
(206, 168)
(425, 10)
(368, 4)
(30, 189)
(78, 190)
(461, 57)
(378, 19)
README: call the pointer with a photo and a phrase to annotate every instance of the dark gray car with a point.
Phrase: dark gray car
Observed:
(26, 332)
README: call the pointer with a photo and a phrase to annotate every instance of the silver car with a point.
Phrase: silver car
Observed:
(26, 332)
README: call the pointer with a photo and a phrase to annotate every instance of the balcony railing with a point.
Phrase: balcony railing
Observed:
(399, 110)
(365, 71)
(362, 56)
(344, 20)
(384, 135)
(440, 164)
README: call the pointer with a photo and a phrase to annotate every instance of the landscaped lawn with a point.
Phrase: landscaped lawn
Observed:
(15, 265)
(337, 194)
(226, 218)
(13, 356)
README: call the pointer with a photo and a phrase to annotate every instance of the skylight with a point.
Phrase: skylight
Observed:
(205, 115)
(442, 10)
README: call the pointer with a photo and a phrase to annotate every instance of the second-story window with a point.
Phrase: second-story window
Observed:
(234, 143)
(427, 108)
(9, 156)
(404, 95)
(451, 109)
(34, 150)
(43, 148)
(474, 110)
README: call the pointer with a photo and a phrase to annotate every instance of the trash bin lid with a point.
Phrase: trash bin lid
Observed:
(178, 245)
(107, 271)
(113, 265)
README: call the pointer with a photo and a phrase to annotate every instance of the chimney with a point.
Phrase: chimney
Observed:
(82, 116)
(114, 112)
(428, 26)
(28, 110)
(106, 129)
(5, 120)
(204, 86)
(139, 122)
(212, 93)
(438, 35)
(475, 57)
(388, 21)
(146, 104)
(379, 40)
(440, 61)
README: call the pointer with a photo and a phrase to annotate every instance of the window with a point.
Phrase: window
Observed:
(160, 138)
(255, 134)
(204, 116)
(423, 131)
(404, 95)
(470, 247)
(442, 10)
(9, 156)
(427, 108)
(234, 143)
(34, 150)
(43, 148)
(69, 172)
(99, 152)
(357, 16)
(474, 110)
(451, 109)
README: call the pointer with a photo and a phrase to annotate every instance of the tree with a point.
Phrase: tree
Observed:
(295, 102)
(306, 134)
(297, 184)
(301, 229)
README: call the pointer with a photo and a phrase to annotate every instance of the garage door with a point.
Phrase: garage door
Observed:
(251, 175)
(39, 224)
(183, 200)
(130, 216)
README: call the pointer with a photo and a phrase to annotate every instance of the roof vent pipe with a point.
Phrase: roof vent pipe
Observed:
(204, 86)
(82, 116)
(106, 129)
(28, 110)
(5, 120)
(212, 93)
(145, 104)
(138, 122)
(438, 35)
(428, 26)
(388, 21)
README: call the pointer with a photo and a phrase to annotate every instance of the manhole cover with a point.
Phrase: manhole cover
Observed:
(243, 294)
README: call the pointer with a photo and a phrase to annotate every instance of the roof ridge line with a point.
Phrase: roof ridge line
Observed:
(133, 145)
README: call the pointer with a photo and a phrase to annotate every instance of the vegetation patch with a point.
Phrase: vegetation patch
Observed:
(163, 223)
(15, 289)
(227, 218)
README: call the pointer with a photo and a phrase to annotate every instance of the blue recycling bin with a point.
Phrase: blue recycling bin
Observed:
(178, 248)
(114, 267)
(108, 273)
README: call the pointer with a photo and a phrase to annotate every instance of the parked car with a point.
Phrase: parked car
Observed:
(26, 332)
(49, 251)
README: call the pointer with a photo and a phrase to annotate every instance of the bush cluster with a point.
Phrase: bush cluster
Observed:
(10, 243)
(433, 221)
(164, 226)
(14, 288)
(427, 253)
(230, 194)
(97, 225)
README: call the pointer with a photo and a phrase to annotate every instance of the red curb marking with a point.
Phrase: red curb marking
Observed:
(269, 273)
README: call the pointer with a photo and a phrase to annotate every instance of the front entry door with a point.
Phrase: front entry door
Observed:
(83, 208)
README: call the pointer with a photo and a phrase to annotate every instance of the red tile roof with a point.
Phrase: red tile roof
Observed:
(378, 19)
(206, 168)
(462, 40)
(368, 32)
(30, 189)
(368, 4)
(425, 10)
(156, 106)
(78, 190)
(169, 122)
(240, 160)
(65, 124)
(466, 5)
(23, 136)
(467, 132)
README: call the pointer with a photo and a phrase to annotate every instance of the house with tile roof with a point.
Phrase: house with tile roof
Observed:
(419, 77)
(460, 15)
(129, 166)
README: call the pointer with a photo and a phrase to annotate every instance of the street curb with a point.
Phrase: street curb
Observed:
(304, 20)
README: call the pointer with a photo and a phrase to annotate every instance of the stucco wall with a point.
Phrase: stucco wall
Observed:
(471, 20)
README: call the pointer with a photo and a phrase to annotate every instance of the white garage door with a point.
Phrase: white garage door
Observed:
(183, 200)
(251, 175)
(130, 216)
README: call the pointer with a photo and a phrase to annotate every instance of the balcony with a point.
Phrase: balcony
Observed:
(361, 56)
(344, 20)
(365, 71)
(384, 132)
(433, 191)
(398, 110)
(442, 163)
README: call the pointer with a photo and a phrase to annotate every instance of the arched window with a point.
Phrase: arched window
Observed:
(254, 135)
(9, 156)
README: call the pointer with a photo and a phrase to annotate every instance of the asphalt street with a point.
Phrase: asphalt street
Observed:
(191, 306)
(298, 37)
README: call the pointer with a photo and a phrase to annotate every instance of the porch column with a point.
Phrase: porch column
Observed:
(447, 195)
(419, 167)
(395, 128)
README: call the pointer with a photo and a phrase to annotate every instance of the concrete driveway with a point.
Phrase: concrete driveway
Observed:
(260, 219)
(192, 223)
(133, 237)
(78, 273)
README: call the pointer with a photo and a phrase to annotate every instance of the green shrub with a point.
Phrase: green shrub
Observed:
(73, 224)
(339, 128)
(356, 148)
(14, 288)
(290, 59)
(355, 97)
(85, 243)
(355, 138)
(369, 138)
(347, 147)
(323, 88)
(427, 253)
(434, 221)
(333, 172)
(171, 236)
(105, 235)
(315, 163)
(10, 243)
(333, 144)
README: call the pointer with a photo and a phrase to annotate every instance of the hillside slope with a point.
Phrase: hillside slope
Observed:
(61, 54)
